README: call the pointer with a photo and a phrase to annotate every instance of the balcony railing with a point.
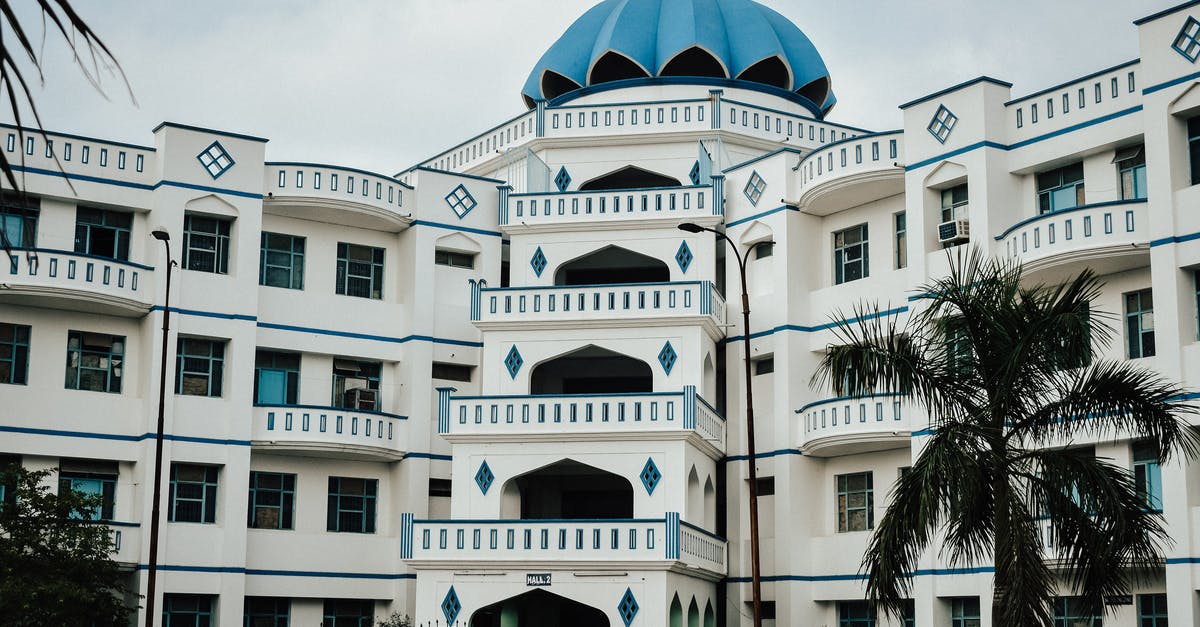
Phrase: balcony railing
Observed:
(659, 541)
(1081, 232)
(1099, 95)
(844, 425)
(580, 415)
(65, 279)
(83, 160)
(330, 430)
(609, 206)
(872, 159)
(609, 303)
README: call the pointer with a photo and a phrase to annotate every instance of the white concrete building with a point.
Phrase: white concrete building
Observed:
(502, 388)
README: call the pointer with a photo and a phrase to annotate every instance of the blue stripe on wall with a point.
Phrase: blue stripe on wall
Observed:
(819, 327)
(300, 329)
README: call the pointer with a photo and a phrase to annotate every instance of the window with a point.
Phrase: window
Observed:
(764, 365)
(352, 505)
(94, 361)
(266, 612)
(14, 353)
(1068, 612)
(348, 613)
(96, 484)
(1131, 169)
(281, 261)
(855, 614)
(187, 610)
(763, 250)
(272, 498)
(1152, 610)
(954, 203)
(901, 222)
(958, 346)
(103, 233)
(360, 271)
(453, 259)
(451, 372)
(855, 502)
(1139, 324)
(439, 487)
(276, 378)
(199, 366)
(1060, 189)
(193, 495)
(18, 220)
(1194, 148)
(909, 619)
(206, 244)
(755, 187)
(964, 612)
(766, 486)
(850, 261)
(768, 609)
(349, 377)
(1147, 474)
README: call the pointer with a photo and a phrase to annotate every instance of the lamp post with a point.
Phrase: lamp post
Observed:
(152, 570)
(755, 579)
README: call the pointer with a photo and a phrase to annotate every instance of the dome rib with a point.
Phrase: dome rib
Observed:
(649, 39)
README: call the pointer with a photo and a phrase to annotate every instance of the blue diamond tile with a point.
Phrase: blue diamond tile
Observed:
(650, 475)
(694, 175)
(628, 607)
(667, 357)
(942, 123)
(562, 180)
(215, 159)
(461, 201)
(538, 261)
(450, 606)
(1187, 42)
(484, 477)
(513, 361)
(684, 257)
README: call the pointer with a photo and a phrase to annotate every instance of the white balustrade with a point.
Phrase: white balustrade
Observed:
(326, 182)
(328, 429)
(1098, 95)
(765, 123)
(868, 153)
(626, 118)
(1097, 227)
(836, 421)
(120, 286)
(515, 132)
(576, 303)
(81, 159)
(556, 208)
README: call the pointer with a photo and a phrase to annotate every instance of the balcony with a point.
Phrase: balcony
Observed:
(614, 208)
(1108, 237)
(329, 432)
(845, 426)
(59, 279)
(345, 196)
(83, 161)
(576, 306)
(852, 172)
(667, 543)
(583, 417)
(126, 542)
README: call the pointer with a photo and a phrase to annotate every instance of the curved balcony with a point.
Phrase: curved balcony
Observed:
(584, 417)
(845, 425)
(60, 279)
(852, 172)
(575, 306)
(613, 208)
(652, 543)
(337, 195)
(1108, 237)
(329, 432)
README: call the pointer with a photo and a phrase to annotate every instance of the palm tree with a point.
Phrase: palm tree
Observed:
(1006, 372)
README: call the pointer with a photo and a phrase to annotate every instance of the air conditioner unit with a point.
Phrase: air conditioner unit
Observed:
(954, 231)
(361, 398)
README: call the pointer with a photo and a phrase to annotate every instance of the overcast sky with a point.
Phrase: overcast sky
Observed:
(381, 85)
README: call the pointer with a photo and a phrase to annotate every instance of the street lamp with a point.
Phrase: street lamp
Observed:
(756, 582)
(164, 237)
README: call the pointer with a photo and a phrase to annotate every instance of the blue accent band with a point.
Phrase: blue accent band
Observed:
(188, 127)
(820, 327)
(453, 227)
(760, 215)
(980, 79)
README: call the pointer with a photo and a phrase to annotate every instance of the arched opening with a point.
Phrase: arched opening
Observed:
(612, 264)
(570, 490)
(693, 614)
(614, 66)
(629, 177)
(710, 617)
(695, 499)
(710, 505)
(676, 613)
(816, 91)
(592, 370)
(770, 71)
(555, 85)
(535, 608)
(694, 61)
(710, 379)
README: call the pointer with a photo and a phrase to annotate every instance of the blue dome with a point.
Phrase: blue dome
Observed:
(717, 41)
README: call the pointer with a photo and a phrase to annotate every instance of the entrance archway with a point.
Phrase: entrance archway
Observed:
(536, 609)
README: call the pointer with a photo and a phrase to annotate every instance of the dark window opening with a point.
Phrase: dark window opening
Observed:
(592, 370)
(629, 177)
(555, 85)
(571, 490)
(612, 265)
(614, 66)
(816, 91)
(439, 487)
(453, 259)
(452, 372)
(770, 71)
(694, 61)
(766, 486)
(764, 365)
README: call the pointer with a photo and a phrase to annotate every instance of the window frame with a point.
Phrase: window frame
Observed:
(1064, 611)
(454, 259)
(295, 260)
(1048, 191)
(840, 250)
(285, 494)
(1147, 474)
(107, 482)
(86, 232)
(25, 215)
(201, 615)
(900, 240)
(209, 487)
(15, 341)
(345, 263)
(216, 365)
(275, 609)
(113, 357)
(962, 614)
(1131, 174)
(374, 380)
(1193, 137)
(337, 613)
(1136, 335)
(1153, 611)
(951, 206)
(292, 373)
(843, 508)
(338, 509)
(762, 250)
(193, 235)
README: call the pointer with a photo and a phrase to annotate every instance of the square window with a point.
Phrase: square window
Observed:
(360, 271)
(850, 254)
(461, 201)
(193, 494)
(281, 261)
(215, 159)
(855, 614)
(942, 124)
(276, 378)
(206, 243)
(187, 610)
(99, 485)
(1061, 188)
(103, 233)
(199, 366)
(266, 612)
(1152, 610)
(356, 384)
(352, 505)
(272, 500)
(754, 188)
(95, 361)
(855, 502)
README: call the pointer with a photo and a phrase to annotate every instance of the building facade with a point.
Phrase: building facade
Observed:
(503, 388)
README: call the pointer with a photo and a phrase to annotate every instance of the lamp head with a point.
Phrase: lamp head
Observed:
(691, 227)
(161, 235)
